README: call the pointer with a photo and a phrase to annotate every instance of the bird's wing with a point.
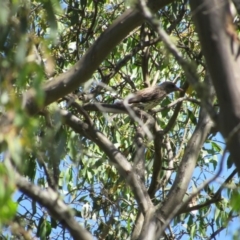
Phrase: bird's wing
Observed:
(146, 95)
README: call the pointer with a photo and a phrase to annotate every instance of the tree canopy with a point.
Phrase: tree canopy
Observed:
(77, 161)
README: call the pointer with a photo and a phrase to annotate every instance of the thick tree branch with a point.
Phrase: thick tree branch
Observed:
(157, 162)
(137, 226)
(187, 165)
(216, 34)
(194, 194)
(139, 156)
(55, 206)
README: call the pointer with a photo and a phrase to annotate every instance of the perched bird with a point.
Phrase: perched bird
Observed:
(150, 97)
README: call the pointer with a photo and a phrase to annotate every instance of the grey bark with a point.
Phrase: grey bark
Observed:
(220, 47)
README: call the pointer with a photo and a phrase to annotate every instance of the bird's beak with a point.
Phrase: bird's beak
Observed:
(179, 89)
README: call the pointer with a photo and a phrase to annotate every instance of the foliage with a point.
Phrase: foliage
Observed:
(42, 39)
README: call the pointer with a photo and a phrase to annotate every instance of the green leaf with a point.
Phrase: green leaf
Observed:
(234, 201)
(193, 231)
(216, 147)
(192, 116)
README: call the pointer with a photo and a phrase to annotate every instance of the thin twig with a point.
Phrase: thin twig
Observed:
(172, 104)
(194, 193)
(216, 197)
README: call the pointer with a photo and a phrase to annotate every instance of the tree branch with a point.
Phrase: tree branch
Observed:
(55, 206)
(116, 158)
(85, 67)
(216, 33)
(216, 197)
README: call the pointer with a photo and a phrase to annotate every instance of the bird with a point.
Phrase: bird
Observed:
(150, 97)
